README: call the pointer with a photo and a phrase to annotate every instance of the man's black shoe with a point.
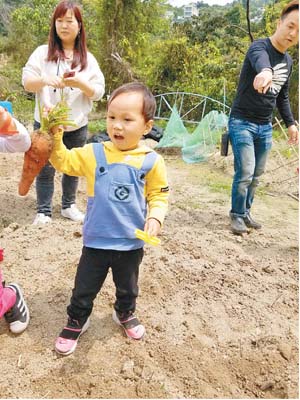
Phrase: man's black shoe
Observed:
(249, 221)
(238, 225)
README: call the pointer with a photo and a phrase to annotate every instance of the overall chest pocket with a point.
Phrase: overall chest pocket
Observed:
(122, 192)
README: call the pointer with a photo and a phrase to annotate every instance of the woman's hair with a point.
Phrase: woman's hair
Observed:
(291, 6)
(55, 48)
(149, 104)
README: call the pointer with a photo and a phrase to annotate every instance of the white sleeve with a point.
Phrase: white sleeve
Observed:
(96, 78)
(34, 65)
(20, 142)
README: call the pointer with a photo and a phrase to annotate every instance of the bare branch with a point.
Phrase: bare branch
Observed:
(248, 20)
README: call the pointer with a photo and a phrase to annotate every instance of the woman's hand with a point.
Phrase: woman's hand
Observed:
(152, 227)
(73, 81)
(54, 81)
(76, 81)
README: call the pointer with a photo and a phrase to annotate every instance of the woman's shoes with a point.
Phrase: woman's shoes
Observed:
(41, 219)
(73, 213)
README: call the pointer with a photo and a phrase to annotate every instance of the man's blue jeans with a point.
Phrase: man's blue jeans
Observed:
(45, 179)
(251, 144)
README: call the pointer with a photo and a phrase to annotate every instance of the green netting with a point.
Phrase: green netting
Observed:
(199, 145)
(174, 132)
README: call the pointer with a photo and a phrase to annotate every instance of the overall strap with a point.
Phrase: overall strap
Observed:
(149, 161)
(99, 154)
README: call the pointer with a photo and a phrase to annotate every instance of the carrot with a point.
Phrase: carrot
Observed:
(35, 159)
(7, 124)
(41, 144)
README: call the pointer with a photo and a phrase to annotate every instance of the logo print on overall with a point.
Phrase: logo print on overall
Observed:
(122, 193)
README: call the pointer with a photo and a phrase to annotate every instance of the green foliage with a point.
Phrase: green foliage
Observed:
(5, 10)
(220, 186)
(11, 90)
(29, 28)
(277, 134)
(127, 29)
(97, 126)
(134, 39)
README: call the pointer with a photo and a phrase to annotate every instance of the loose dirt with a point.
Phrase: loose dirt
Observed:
(221, 311)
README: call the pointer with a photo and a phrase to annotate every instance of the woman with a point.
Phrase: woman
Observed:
(46, 74)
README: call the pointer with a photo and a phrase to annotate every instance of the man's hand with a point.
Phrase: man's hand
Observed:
(263, 81)
(293, 134)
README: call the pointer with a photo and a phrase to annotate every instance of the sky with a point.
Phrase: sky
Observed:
(179, 3)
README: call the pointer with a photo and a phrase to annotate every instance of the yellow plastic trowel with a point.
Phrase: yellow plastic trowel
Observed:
(142, 235)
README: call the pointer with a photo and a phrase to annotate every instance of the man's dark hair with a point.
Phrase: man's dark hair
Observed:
(291, 6)
(149, 105)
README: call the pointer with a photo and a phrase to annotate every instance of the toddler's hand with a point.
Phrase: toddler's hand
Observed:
(152, 227)
(57, 131)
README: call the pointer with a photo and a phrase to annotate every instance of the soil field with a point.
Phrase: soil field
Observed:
(221, 311)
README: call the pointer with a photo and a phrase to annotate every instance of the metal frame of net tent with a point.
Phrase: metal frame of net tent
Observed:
(182, 108)
(192, 107)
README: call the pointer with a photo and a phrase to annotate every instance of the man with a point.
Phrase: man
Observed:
(263, 85)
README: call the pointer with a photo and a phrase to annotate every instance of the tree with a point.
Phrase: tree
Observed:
(127, 29)
(133, 39)
(29, 28)
(6, 8)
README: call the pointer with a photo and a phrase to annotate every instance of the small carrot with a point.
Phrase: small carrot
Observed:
(41, 144)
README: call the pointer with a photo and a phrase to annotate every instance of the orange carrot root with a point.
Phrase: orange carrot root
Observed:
(35, 159)
(42, 143)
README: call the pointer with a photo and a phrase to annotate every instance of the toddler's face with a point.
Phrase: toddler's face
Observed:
(125, 122)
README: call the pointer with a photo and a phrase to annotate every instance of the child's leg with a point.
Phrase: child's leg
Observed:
(125, 269)
(7, 298)
(91, 273)
(125, 274)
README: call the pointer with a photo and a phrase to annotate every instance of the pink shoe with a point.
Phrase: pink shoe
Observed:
(131, 325)
(66, 343)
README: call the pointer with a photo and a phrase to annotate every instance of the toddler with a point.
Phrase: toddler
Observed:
(127, 190)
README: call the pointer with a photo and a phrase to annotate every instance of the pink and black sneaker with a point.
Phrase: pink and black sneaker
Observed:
(131, 325)
(66, 342)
